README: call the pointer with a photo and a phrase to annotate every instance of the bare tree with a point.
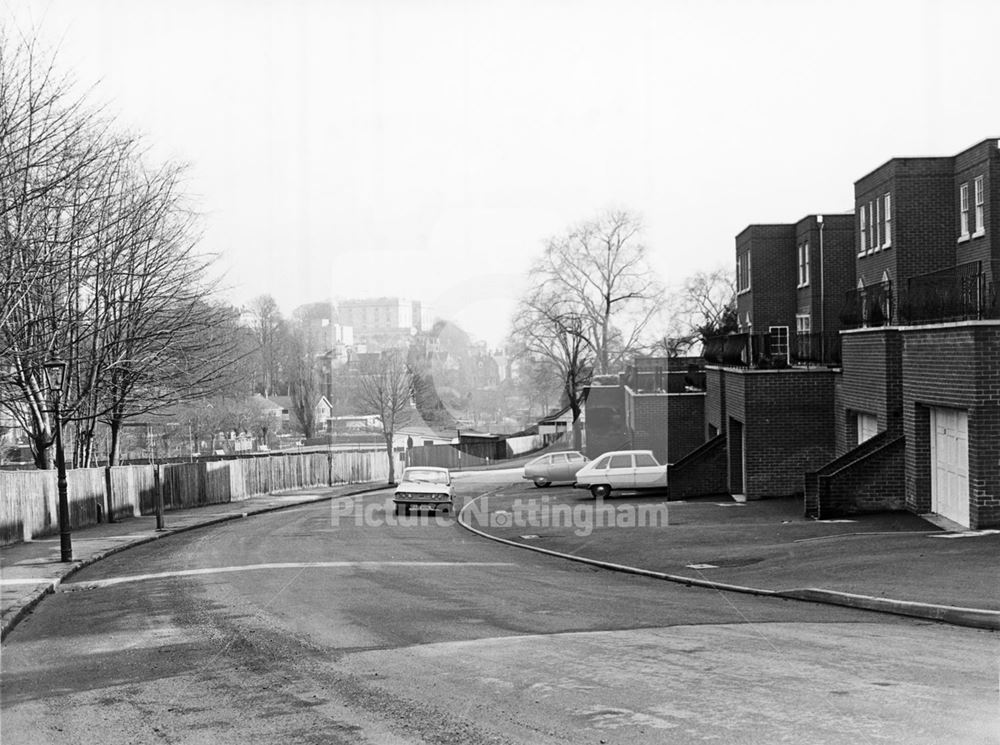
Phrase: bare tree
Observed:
(303, 379)
(551, 328)
(600, 270)
(703, 307)
(101, 267)
(385, 388)
(269, 327)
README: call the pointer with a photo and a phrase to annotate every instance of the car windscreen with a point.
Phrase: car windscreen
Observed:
(425, 475)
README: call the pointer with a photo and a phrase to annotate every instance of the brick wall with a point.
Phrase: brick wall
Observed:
(715, 401)
(701, 472)
(954, 366)
(871, 382)
(787, 418)
(606, 427)
(772, 297)
(872, 483)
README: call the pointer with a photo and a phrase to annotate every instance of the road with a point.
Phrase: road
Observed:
(309, 625)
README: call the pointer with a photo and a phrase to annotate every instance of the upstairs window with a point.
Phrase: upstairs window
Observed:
(887, 216)
(878, 224)
(980, 223)
(963, 208)
(872, 245)
(804, 264)
(743, 272)
(864, 232)
(803, 324)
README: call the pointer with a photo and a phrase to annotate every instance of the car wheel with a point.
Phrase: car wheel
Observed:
(600, 491)
(541, 483)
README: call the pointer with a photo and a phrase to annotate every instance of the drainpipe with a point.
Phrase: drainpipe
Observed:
(822, 293)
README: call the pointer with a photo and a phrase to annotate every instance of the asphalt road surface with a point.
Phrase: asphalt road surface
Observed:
(312, 625)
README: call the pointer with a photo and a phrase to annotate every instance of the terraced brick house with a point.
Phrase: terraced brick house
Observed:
(866, 374)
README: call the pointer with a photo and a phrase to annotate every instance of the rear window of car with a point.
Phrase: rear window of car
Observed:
(645, 459)
(621, 461)
(425, 475)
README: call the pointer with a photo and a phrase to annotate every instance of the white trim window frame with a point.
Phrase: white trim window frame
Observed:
(887, 217)
(803, 324)
(804, 264)
(963, 212)
(872, 246)
(779, 341)
(864, 232)
(979, 199)
(878, 224)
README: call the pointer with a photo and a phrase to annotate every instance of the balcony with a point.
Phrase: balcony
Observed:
(871, 305)
(773, 351)
(959, 293)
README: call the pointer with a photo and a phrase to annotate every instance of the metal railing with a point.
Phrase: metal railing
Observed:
(958, 293)
(871, 305)
(768, 351)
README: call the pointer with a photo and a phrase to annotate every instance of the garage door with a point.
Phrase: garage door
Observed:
(950, 464)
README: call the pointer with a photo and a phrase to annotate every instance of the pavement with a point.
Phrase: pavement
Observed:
(892, 562)
(895, 562)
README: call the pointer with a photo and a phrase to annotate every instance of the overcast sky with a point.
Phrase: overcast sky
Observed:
(426, 148)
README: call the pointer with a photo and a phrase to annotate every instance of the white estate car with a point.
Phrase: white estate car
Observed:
(424, 485)
(621, 469)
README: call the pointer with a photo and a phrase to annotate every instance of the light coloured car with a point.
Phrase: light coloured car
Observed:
(424, 485)
(621, 469)
(561, 466)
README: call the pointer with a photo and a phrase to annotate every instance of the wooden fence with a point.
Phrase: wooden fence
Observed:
(29, 499)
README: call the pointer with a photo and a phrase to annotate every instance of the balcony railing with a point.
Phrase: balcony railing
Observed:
(772, 351)
(958, 293)
(871, 305)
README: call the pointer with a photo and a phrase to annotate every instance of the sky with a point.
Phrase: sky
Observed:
(428, 148)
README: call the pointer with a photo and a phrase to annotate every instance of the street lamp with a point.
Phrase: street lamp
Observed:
(55, 371)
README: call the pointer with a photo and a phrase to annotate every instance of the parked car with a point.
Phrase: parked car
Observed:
(621, 469)
(424, 485)
(550, 467)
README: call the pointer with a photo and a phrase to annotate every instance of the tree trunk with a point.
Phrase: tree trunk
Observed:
(41, 449)
(116, 429)
(389, 454)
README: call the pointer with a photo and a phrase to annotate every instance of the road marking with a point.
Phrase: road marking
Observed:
(283, 565)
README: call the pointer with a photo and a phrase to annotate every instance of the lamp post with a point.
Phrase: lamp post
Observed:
(56, 374)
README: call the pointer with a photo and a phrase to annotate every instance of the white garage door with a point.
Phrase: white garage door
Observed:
(950, 464)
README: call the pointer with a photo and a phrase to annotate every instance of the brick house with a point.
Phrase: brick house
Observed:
(904, 412)
(657, 404)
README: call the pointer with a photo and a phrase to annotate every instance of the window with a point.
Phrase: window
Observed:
(871, 229)
(887, 216)
(644, 460)
(864, 232)
(980, 224)
(803, 323)
(621, 461)
(602, 463)
(743, 272)
(779, 341)
(963, 205)
(878, 224)
(804, 264)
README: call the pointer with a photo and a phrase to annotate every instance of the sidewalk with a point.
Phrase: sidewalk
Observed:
(893, 562)
(29, 571)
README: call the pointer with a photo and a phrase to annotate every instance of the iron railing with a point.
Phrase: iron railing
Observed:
(958, 293)
(871, 305)
(768, 351)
